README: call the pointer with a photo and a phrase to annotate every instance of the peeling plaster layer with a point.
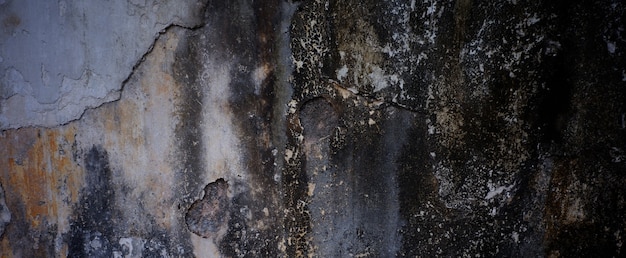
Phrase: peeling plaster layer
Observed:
(58, 58)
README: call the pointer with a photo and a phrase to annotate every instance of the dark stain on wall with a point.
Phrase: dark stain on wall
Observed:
(241, 34)
(417, 191)
(5, 213)
(247, 34)
(92, 230)
(586, 193)
(187, 68)
(189, 159)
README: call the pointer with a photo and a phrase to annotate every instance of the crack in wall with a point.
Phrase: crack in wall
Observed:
(132, 72)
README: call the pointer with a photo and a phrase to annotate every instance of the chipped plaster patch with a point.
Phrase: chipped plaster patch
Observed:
(208, 217)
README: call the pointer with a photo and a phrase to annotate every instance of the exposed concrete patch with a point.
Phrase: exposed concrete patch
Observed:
(209, 215)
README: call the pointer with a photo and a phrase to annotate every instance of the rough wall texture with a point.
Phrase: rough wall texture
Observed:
(315, 128)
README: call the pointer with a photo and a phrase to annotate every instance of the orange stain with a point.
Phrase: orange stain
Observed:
(39, 173)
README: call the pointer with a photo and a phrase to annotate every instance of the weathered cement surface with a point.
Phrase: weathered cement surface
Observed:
(58, 58)
(342, 129)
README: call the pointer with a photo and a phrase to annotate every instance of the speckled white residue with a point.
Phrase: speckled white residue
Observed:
(531, 20)
(298, 63)
(493, 191)
(342, 73)
(353, 90)
(378, 78)
(431, 128)
(610, 46)
(203, 247)
(288, 154)
(431, 23)
(292, 106)
(132, 247)
(515, 236)
(311, 189)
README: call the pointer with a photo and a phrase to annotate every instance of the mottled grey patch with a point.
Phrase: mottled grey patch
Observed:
(206, 216)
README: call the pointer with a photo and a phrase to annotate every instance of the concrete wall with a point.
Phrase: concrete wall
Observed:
(313, 128)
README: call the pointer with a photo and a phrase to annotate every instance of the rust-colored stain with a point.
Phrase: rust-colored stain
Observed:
(12, 21)
(39, 175)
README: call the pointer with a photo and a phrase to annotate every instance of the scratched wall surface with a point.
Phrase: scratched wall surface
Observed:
(314, 128)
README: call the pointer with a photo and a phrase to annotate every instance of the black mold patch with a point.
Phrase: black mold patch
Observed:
(248, 32)
(209, 214)
(91, 231)
(187, 67)
(417, 190)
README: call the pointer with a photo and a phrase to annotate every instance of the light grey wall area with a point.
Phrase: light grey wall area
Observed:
(58, 58)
